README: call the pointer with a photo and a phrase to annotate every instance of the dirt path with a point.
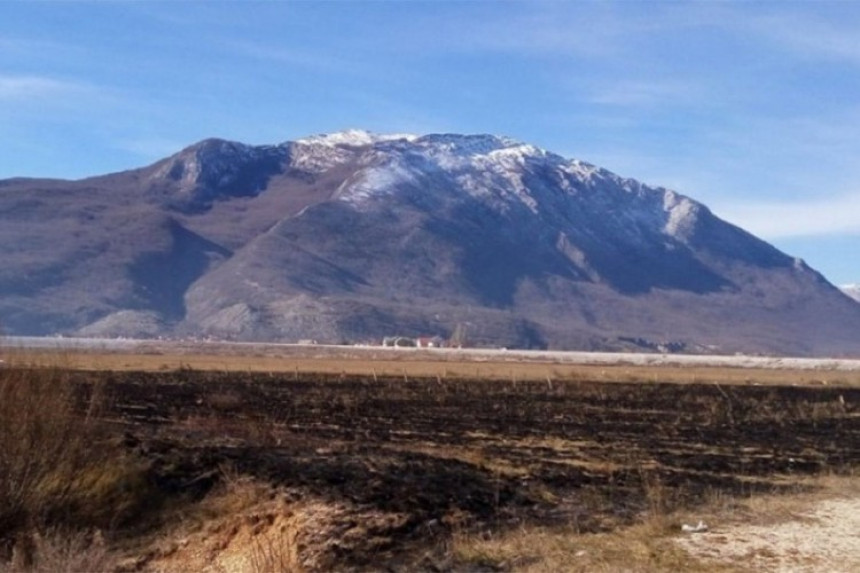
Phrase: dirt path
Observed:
(824, 537)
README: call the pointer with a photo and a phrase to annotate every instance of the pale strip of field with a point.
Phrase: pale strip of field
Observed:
(793, 534)
(443, 363)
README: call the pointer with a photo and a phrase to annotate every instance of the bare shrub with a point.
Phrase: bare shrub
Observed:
(42, 443)
(60, 552)
(57, 468)
(274, 551)
(251, 517)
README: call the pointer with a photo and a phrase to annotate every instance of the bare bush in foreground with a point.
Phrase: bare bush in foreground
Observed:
(57, 470)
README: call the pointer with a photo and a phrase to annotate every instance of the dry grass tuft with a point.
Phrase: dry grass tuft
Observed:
(243, 524)
(61, 552)
(649, 546)
(271, 540)
(59, 471)
(533, 549)
(274, 551)
(45, 445)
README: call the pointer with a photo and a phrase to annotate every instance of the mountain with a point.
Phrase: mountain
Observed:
(852, 290)
(354, 236)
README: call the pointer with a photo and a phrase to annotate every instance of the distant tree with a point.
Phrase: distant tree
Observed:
(458, 337)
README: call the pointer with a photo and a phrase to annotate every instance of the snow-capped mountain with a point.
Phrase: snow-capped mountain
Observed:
(852, 290)
(353, 236)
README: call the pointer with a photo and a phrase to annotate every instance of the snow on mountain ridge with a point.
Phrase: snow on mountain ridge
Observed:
(501, 172)
(315, 157)
(852, 290)
(682, 212)
(354, 138)
(466, 145)
(313, 239)
(486, 166)
(581, 170)
(450, 152)
(491, 168)
(319, 153)
(373, 181)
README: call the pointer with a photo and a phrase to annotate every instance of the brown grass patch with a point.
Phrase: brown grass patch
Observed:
(642, 548)
(650, 545)
(61, 552)
(374, 361)
(340, 472)
(61, 474)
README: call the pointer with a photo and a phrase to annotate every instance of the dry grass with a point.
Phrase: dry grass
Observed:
(243, 525)
(373, 362)
(774, 509)
(61, 552)
(643, 547)
(44, 445)
(61, 475)
(61, 478)
(274, 551)
(648, 546)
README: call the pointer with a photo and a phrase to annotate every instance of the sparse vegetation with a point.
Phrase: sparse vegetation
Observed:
(60, 552)
(44, 445)
(62, 476)
(243, 471)
(369, 361)
(645, 547)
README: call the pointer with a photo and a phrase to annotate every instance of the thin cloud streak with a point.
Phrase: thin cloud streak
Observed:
(777, 220)
(536, 29)
(295, 58)
(649, 93)
(808, 36)
(152, 148)
(25, 88)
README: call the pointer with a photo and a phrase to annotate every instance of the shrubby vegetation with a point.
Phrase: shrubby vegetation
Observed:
(184, 469)
(62, 478)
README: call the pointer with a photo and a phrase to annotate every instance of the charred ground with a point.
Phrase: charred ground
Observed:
(409, 462)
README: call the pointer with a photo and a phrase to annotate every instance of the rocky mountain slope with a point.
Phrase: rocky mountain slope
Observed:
(354, 236)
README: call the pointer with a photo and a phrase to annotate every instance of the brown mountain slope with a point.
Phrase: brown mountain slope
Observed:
(352, 237)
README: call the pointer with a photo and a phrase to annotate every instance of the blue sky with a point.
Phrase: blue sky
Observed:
(752, 108)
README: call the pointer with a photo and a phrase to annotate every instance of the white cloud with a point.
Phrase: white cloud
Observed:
(774, 220)
(304, 59)
(25, 88)
(810, 34)
(534, 29)
(649, 93)
(151, 147)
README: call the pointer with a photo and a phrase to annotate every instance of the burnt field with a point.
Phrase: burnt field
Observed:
(379, 472)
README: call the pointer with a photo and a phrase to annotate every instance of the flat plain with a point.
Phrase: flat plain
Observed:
(495, 364)
(317, 459)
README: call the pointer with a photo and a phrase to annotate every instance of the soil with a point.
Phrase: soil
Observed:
(823, 537)
(385, 469)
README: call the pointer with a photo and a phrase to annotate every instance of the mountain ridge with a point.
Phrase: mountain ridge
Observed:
(852, 290)
(353, 236)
